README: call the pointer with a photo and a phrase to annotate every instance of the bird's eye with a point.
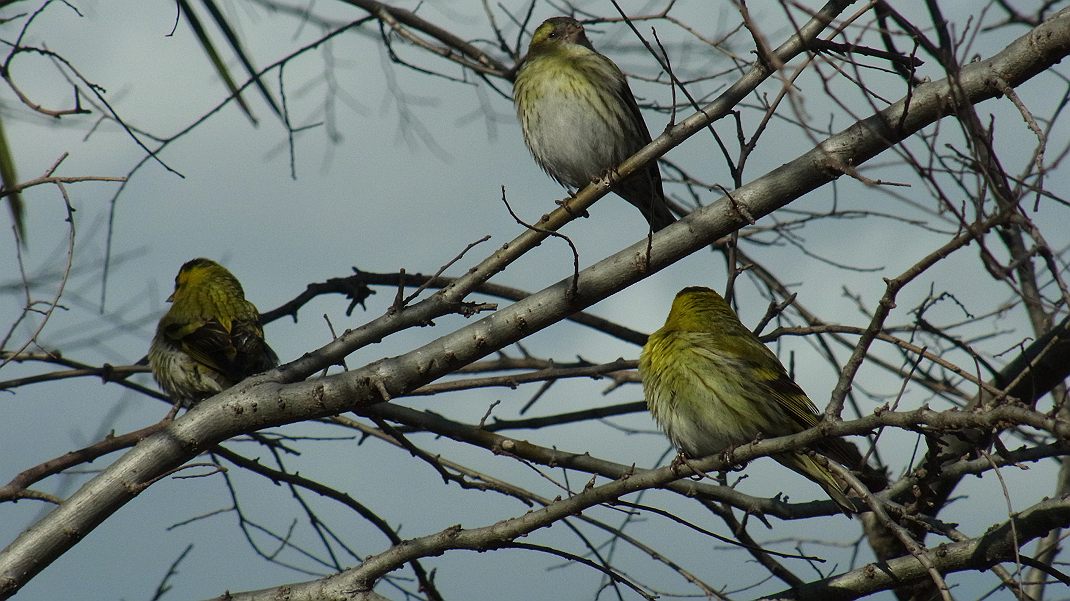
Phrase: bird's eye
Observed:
(553, 34)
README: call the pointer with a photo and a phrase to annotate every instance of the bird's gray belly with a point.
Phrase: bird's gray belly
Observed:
(573, 144)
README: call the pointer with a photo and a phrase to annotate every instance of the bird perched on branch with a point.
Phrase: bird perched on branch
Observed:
(712, 385)
(580, 119)
(211, 337)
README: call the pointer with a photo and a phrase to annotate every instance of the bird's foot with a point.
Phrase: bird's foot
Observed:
(607, 176)
(679, 460)
(682, 460)
(563, 203)
(728, 455)
(173, 412)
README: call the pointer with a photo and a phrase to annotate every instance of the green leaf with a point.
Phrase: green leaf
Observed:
(213, 56)
(10, 180)
(235, 44)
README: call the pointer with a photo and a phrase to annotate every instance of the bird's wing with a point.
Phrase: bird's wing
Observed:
(625, 93)
(782, 388)
(754, 359)
(207, 341)
(253, 353)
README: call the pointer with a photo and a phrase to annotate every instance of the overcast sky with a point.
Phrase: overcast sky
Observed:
(416, 175)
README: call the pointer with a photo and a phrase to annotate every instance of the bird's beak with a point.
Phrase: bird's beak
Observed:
(171, 298)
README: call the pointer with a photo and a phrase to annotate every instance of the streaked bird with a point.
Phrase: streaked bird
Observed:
(211, 337)
(580, 119)
(712, 385)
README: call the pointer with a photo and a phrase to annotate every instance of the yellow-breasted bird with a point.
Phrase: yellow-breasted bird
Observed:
(211, 337)
(580, 119)
(711, 385)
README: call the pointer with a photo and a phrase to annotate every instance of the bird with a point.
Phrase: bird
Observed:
(579, 117)
(711, 385)
(211, 337)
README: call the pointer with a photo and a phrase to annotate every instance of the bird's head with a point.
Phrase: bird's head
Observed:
(556, 33)
(201, 275)
(696, 308)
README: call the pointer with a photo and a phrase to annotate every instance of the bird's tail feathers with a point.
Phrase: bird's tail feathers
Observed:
(847, 454)
(660, 217)
(643, 191)
(812, 469)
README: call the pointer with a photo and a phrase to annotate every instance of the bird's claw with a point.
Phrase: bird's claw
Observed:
(563, 203)
(682, 460)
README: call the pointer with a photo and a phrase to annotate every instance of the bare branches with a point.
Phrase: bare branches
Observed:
(994, 547)
(923, 300)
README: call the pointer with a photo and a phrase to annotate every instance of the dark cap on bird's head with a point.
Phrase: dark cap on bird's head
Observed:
(200, 271)
(559, 30)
